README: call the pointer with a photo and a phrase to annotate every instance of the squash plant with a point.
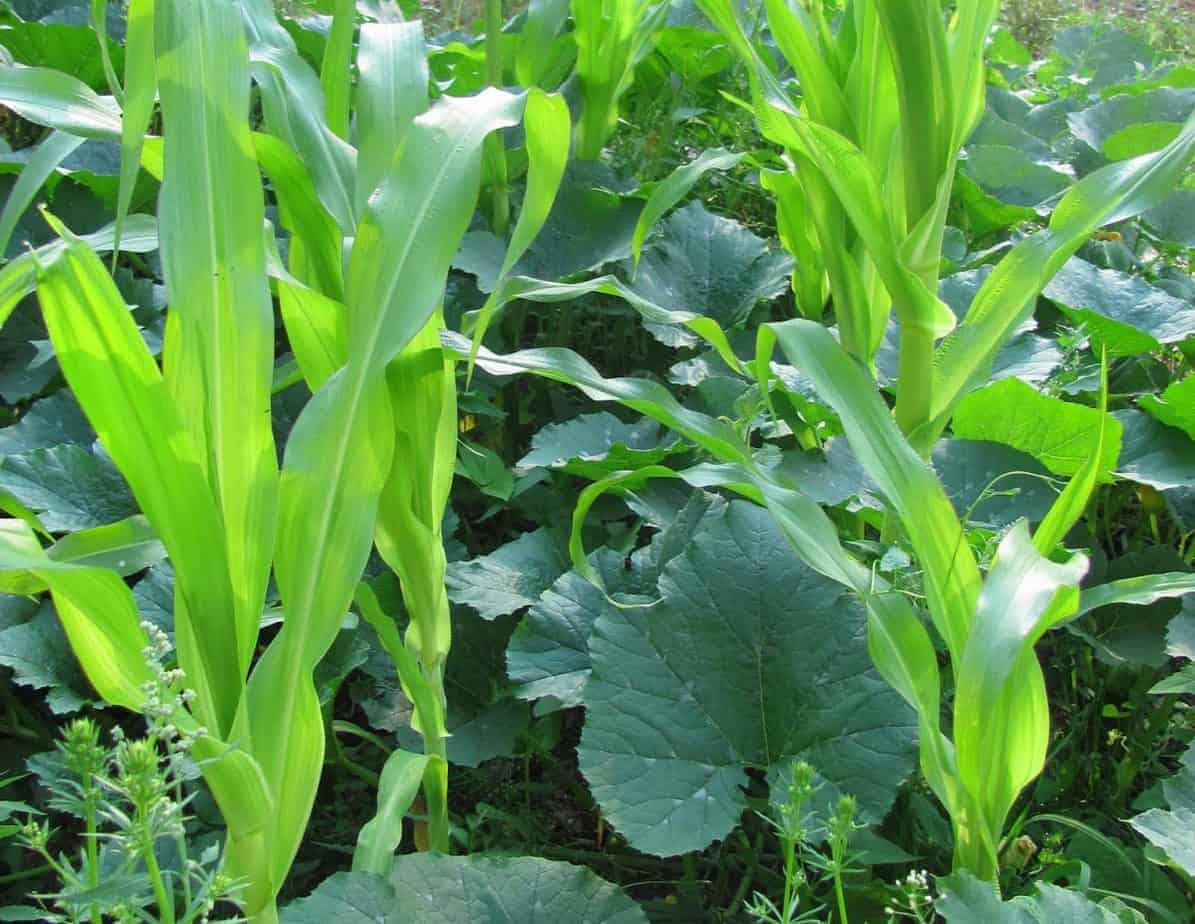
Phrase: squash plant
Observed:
(373, 228)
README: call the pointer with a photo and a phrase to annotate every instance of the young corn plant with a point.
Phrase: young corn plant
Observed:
(373, 228)
(887, 100)
(612, 36)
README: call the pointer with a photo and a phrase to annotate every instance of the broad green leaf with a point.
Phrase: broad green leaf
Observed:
(1175, 406)
(509, 578)
(392, 90)
(1100, 125)
(907, 483)
(49, 97)
(491, 890)
(52, 421)
(687, 694)
(379, 837)
(484, 890)
(1153, 453)
(39, 654)
(595, 445)
(1173, 829)
(1174, 219)
(673, 188)
(1059, 434)
(548, 654)
(220, 361)
(1119, 311)
(965, 899)
(68, 486)
(991, 484)
(118, 385)
(18, 277)
(710, 266)
(1180, 634)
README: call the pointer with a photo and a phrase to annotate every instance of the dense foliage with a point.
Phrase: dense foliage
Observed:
(629, 461)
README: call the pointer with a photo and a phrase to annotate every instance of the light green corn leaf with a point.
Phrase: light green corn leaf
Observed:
(380, 836)
(57, 100)
(968, 33)
(796, 36)
(315, 324)
(294, 107)
(999, 743)
(18, 277)
(871, 96)
(247, 806)
(284, 724)
(917, 40)
(804, 523)
(392, 90)
(97, 611)
(901, 650)
(140, 90)
(611, 36)
(1136, 591)
(854, 182)
(17, 510)
(543, 22)
(1109, 194)
(1070, 504)
(908, 484)
(428, 712)
(312, 228)
(422, 385)
(99, 22)
(525, 288)
(117, 382)
(45, 160)
(798, 237)
(673, 188)
(649, 398)
(336, 76)
(216, 285)
(546, 124)
(341, 449)
(125, 547)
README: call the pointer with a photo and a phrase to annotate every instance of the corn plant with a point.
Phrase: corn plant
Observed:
(612, 36)
(887, 101)
(373, 228)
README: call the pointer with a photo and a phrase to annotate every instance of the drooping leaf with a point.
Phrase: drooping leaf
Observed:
(380, 836)
(1173, 829)
(688, 693)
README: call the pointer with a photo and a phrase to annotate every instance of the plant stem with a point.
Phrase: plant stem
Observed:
(914, 383)
(838, 894)
(163, 899)
(495, 150)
